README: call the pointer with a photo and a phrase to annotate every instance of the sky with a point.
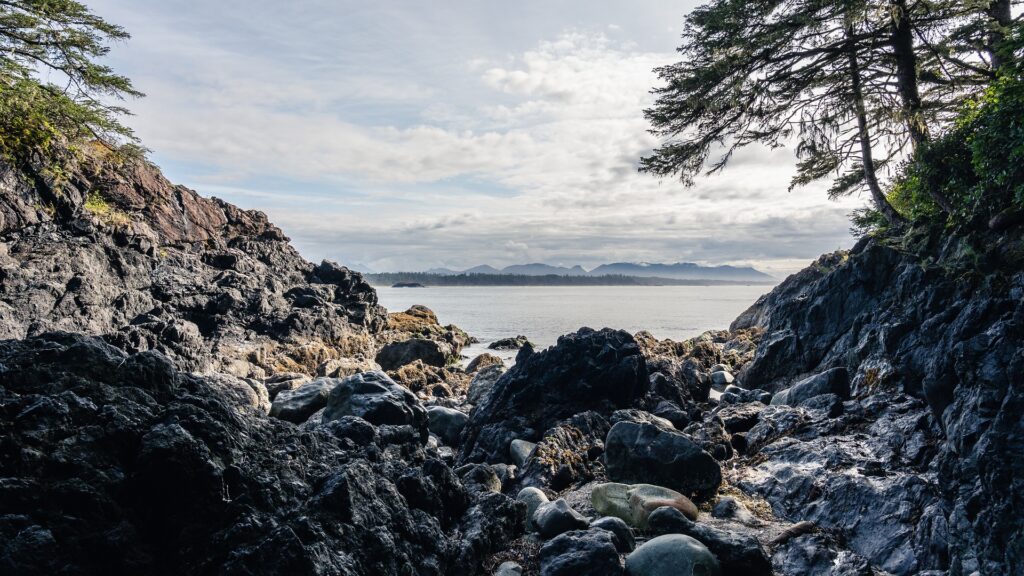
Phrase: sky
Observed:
(404, 135)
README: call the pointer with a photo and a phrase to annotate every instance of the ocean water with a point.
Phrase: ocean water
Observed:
(543, 313)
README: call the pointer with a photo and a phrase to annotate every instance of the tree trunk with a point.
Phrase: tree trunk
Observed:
(906, 81)
(906, 72)
(1000, 20)
(881, 202)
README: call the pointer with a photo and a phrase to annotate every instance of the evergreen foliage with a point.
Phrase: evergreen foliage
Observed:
(857, 87)
(54, 94)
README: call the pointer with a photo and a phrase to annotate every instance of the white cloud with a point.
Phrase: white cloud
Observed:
(418, 149)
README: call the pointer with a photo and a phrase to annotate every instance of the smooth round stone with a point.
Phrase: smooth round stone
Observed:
(556, 517)
(623, 534)
(534, 498)
(722, 378)
(672, 555)
(633, 503)
(520, 451)
(509, 569)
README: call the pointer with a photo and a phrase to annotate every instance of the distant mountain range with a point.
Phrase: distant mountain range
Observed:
(677, 271)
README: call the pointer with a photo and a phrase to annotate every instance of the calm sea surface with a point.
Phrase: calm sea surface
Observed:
(543, 313)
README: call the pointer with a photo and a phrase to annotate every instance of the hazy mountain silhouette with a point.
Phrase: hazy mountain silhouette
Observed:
(678, 270)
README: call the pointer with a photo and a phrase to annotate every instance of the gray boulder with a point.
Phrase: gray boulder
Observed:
(622, 533)
(483, 361)
(534, 498)
(509, 569)
(672, 555)
(554, 518)
(520, 451)
(376, 398)
(447, 423)
(397, 354)
(482, 383)
(637, 453)
(581, 553)
(299, 404)
(509, 343)
(835, 381)
(722, 378)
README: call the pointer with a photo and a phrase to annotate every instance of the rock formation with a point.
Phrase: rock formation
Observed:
(180, 392)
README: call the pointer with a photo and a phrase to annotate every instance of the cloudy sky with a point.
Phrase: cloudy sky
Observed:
(402, 135)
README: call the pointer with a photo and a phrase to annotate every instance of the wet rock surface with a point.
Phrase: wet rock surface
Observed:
(647, 454)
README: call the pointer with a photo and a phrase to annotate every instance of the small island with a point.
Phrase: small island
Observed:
(407, 285)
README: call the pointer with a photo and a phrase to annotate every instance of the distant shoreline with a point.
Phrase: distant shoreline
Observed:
(426, 280)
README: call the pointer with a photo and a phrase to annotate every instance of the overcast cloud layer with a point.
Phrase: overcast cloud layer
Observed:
(401, 135)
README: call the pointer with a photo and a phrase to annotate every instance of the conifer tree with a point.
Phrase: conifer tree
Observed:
(53, 90)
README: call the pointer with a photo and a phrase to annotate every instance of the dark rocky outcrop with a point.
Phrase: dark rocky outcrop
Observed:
(919, 471)
(213, 287)
(590, 370)
(118, 463)
(180, 392)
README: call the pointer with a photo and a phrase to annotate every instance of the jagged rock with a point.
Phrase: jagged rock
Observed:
(534, 498)
(644, 453)
(711, 436)
(773, 422)
(736, 553)
(740, 417)
(150, 459)
(835, 381)
(483, 361)
(376, 398)
(568, 454)
(281, 381)
(622, 533)
(343, 367)
(823, 406)
(480, 477)
(639, 416)
(671, 412)
(737, 395)
(589, 370)
(814, 556)
(447, 423)
(482, 383)
(672, 555)
(299, 404)
(397, 354)
(510, 343)
(580, 553)
(633, 503)
(553, 518)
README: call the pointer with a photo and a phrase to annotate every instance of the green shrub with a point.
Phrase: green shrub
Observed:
(978, 163)
(109, 215)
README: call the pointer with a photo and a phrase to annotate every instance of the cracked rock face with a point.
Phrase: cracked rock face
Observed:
(211, 286)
